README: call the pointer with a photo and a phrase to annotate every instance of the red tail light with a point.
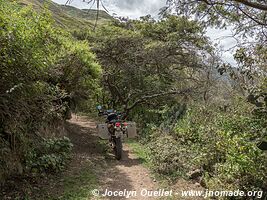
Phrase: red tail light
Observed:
(118, 124)
(125, 124)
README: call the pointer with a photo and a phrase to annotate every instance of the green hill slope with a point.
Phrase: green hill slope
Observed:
(67, 16)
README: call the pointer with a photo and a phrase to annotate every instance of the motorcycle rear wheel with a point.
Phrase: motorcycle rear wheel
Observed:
(118, 148)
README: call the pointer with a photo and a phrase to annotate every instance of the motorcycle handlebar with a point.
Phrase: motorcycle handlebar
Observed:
(103, 113)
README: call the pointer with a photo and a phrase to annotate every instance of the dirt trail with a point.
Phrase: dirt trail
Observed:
(113, 175)
(126, 174)
(90, 154)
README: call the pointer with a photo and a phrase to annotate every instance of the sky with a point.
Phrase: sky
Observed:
(137, 8)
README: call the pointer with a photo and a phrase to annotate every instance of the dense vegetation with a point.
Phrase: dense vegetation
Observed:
(193, 117)
(196, 113)
(143, 61)
(43, 70)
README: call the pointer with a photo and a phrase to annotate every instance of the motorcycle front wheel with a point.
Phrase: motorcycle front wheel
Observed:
(118, 148)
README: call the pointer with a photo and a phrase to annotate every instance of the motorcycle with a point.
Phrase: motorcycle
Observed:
(117, 129)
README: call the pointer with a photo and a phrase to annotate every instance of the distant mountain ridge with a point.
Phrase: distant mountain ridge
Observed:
(67, 16)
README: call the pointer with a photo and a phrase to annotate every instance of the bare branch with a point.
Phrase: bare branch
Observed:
(253, 4)
(147, 97)
(244, 2)
(97, 14)
(114, 88)
(250, 17)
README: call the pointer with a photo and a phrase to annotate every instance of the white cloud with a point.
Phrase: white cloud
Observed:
(75, 3)
(224, 39)
(135, 8)
(126, 8)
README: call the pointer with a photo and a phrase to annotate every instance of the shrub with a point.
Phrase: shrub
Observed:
(168, 157)
(51, 156)
(223, 145)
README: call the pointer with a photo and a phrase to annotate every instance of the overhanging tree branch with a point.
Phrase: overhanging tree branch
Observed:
(250, 17)
(244, 2)
(114, 89)
(253, 4)
(152, 96)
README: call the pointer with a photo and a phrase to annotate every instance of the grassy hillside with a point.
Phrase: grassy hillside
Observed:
(67, 16)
